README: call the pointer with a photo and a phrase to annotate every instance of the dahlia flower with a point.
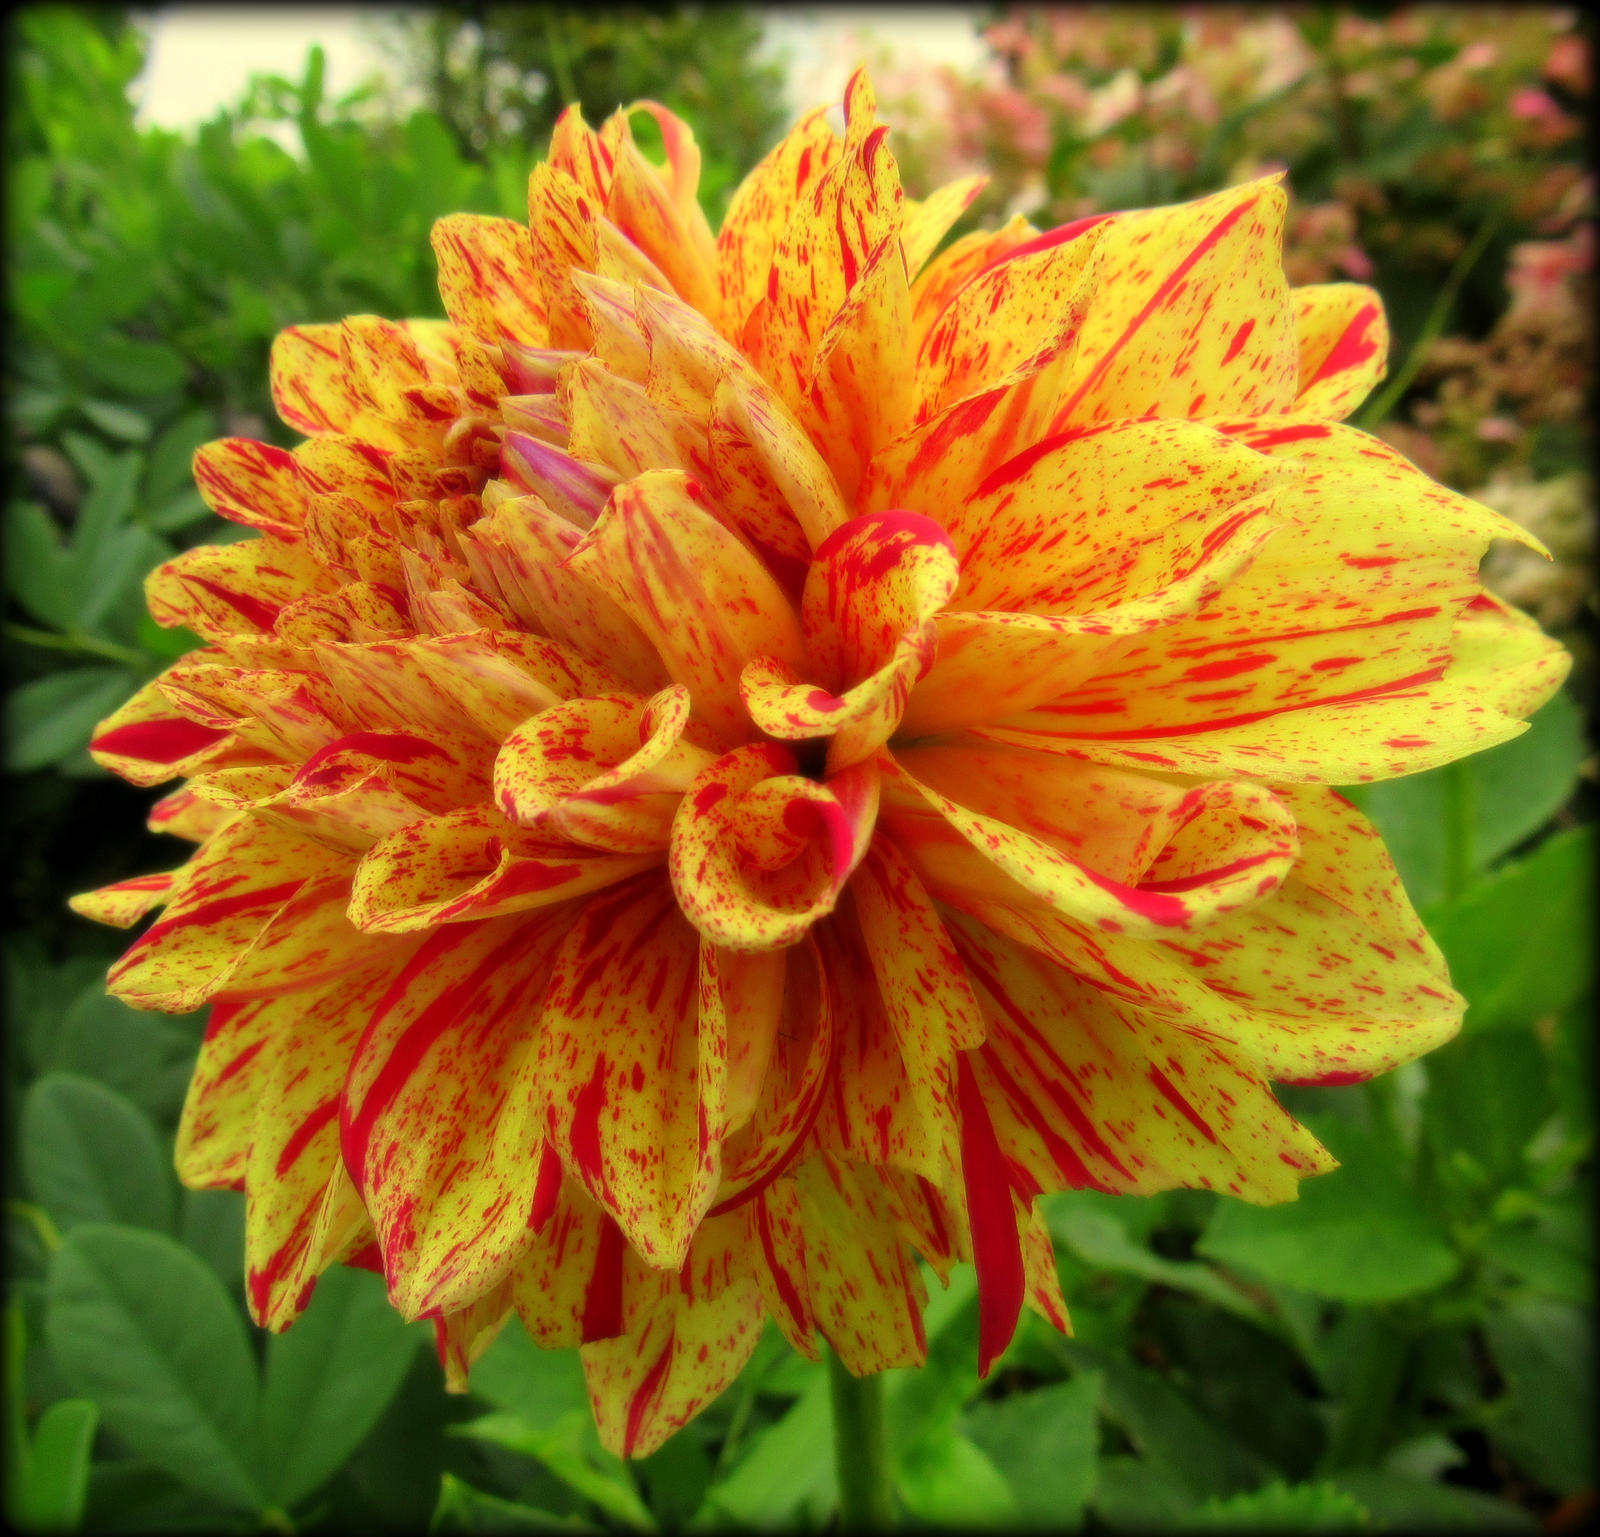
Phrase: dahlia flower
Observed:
(738, 760)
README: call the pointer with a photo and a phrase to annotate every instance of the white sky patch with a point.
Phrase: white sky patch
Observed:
(202, 57)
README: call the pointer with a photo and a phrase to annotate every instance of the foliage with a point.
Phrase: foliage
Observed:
(500, 75)
(1406, 1346)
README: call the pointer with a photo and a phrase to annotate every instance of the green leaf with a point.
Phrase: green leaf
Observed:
(52, 717)
(1488, 1094)
(53, 1493)
(676, 1477)
(39, 565)
(1520, 943)
(144, 1328)
(786, 1475)
(1088, 1224)
(1545, 1352)
(540, 1386)
(1133, 1494)
(328, 1379)
(90, 1156)
(146, 1057)
(113, 571)
(117, 421)
(462, 1508)
(1045, 1443)
(1358, 1234)
(171, 459)
(948, 1481)
(1281, 1508)
(1400, 1504)
(132, 367)
(212, 1226)
(1166, 1427)
(571, 1450)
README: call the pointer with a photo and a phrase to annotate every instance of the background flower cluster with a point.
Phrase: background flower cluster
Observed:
(1407, 1345)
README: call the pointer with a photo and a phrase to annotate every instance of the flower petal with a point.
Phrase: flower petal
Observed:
(1191, 314)
(486, 278)
(1344, 347)
(471, 864)
(1084, 1091)
(705, 602)
(438, 1120)
(759, 213)
(607, 770)
(622, 1072)
(759, 852)
(252, 483)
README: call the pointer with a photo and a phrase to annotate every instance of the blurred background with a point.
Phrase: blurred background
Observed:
(1409, 1345)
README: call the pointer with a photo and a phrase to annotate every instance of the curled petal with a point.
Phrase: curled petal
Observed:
(607, 771)
(147, 741)
(868, 609)
(759, 852)
(576, 488)
(471, 864)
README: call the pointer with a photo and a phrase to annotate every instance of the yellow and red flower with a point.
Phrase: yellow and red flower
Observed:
(738, 761)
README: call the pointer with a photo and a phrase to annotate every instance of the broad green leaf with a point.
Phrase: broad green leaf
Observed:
(328, 1378)
(1134, 1494)
(118, 420)
(133, 367)
(51, 718)
(169, 469)
(676, 1476)
(1166, 1427)
(1281, 1508)
(144, 1329)
(39, 565)
(90, 1156)
(786, 1475)
(948, 1481)
(1521, 943)
(52, 1494)
(570, 1448)
(1045, 1443)
(113, 573)
(146, 1057)
(1487, 1095)
(1400, 1504)
(927, 1399)
(462, 1508)
(1545, 1353)
(540, 1386)
(212, 1226)
(1358, 1234)
(1091, 1229)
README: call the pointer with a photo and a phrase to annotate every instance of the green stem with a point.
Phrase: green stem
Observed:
(860, 1454)
(81, 645)
(1379, 407)
(559, 65)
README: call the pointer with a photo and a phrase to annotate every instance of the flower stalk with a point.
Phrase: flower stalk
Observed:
(860, 1450)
